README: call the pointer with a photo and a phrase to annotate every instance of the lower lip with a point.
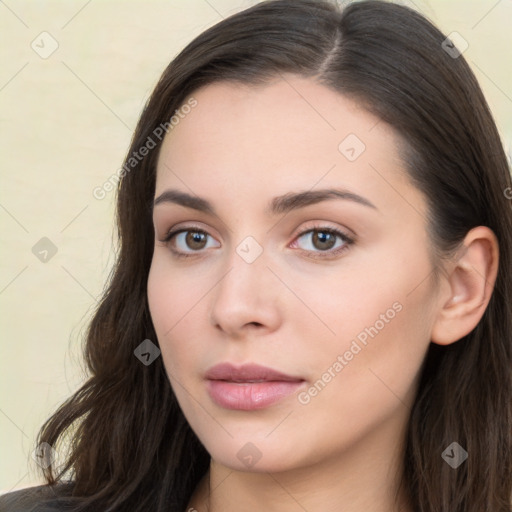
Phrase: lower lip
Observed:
(248, 396)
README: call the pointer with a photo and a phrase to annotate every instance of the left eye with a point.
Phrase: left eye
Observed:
(324, 240)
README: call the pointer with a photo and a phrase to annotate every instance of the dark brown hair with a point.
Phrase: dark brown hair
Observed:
(129, 445)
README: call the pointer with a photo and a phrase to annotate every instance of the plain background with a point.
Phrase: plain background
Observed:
(66, 123)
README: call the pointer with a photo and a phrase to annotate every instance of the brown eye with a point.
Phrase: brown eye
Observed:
(185, 242)
(195, 240)
(323, 240)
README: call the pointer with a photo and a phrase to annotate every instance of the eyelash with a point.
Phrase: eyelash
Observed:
(348, 241)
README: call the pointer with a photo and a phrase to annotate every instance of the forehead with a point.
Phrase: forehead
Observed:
(290, 131)
(290, 106)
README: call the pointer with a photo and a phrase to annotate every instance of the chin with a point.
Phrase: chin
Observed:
(261, 452)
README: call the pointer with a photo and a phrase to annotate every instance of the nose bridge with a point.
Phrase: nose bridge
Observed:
(245, 294)
(245, 280)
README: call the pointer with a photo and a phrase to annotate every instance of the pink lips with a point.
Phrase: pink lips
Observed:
(248, 387)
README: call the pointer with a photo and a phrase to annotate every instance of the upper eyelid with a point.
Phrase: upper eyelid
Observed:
(317, 226)
(177, 229)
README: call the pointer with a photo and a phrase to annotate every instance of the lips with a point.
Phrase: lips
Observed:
(248, 373)
(249, 386)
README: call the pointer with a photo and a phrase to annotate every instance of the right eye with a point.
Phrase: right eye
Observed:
(183, 238)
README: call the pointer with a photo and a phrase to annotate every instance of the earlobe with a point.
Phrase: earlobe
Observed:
(470, 280)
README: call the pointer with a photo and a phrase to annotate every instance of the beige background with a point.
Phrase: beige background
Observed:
(66, 122)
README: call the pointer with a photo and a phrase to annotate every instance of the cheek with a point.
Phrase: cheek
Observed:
(171, 295)
(367, 374)
(380, 318)
(159, 300)
(382, 353)
(175, 304)
(375, 294)
(166, 307)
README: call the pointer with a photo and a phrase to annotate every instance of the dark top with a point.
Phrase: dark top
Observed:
(30, 500)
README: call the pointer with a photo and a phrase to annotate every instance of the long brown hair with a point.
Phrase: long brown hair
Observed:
(129, 446)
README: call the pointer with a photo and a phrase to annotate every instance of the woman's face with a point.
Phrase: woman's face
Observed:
(331, 292)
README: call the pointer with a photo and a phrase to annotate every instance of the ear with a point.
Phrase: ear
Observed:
(470, 280)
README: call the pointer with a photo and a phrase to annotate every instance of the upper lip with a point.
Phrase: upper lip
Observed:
(247, 373)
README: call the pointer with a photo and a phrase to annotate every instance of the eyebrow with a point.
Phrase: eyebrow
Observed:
(278, 205)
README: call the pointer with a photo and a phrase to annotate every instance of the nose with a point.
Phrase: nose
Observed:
(246, 298)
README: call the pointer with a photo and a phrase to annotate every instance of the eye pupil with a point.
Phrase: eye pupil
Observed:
(194, 237)
(324, 237)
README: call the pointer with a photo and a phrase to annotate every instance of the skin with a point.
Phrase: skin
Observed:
(240, 147)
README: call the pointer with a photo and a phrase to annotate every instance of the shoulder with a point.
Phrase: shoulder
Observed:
(42, 498)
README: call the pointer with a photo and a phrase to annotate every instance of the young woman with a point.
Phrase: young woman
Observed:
(310, 308)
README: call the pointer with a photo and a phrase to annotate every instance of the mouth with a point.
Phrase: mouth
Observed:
(249, 387)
